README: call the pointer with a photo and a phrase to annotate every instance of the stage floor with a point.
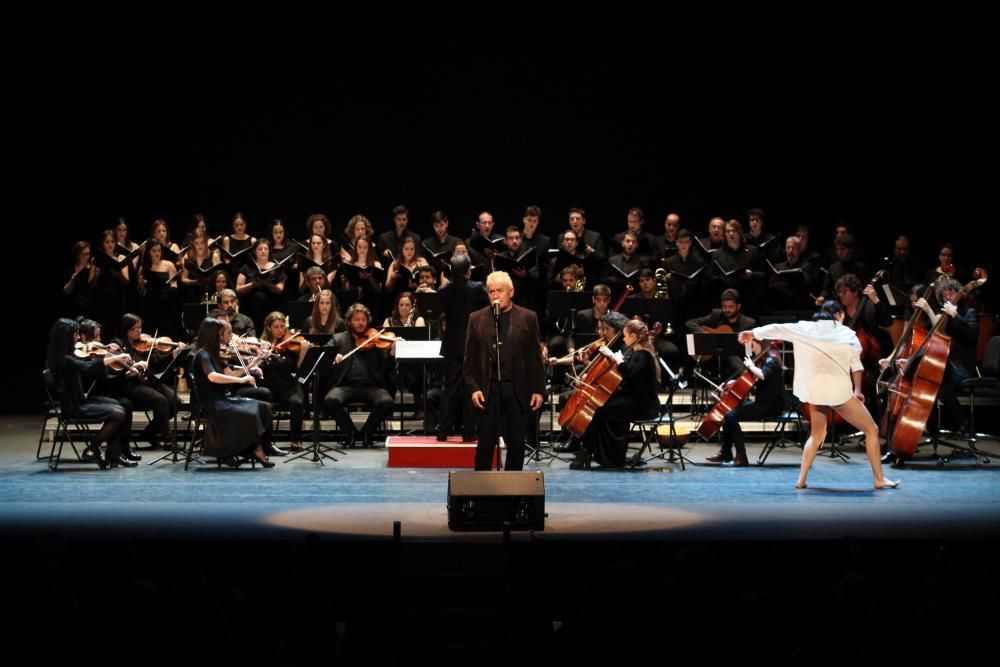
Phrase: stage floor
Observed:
(359, 497)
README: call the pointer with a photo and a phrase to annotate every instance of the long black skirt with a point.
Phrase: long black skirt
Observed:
(236, 425)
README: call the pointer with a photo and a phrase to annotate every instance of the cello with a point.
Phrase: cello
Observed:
(734, 393)
(599, 380)
(915, 390)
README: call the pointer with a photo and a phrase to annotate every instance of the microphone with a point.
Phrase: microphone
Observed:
(496, 309)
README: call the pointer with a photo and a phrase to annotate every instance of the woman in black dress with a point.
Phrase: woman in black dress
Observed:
(68, 373)
(235, 426)
(260, 284)
(157, 287)
(280, 369)
(325, 317)
(606, 439)
(80, 279)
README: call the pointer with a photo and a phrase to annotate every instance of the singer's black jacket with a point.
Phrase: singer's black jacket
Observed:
(527, 371)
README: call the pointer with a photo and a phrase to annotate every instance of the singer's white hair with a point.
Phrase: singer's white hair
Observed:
(499, 278)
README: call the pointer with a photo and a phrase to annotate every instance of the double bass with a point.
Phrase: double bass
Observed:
(913, 393)
(595, 386)
(734, 393)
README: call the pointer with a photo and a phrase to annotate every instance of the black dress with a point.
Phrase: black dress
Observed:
(234, 425)
(636, 398)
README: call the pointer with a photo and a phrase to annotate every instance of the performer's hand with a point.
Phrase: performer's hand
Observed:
(870, 292)
(256, 372)
(745, 337)
(923, 305)
(820, 300)
(748, 362)
(949, 309)
(883, 363)
(860, 395)
(606, 351)
(248, 379)
(902, 364)
(479, 400)
(536, 401)
(338, 358)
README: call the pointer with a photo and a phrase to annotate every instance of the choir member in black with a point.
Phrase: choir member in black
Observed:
(869, 315)
(727, 315)
(108, 388)
(459, 298)
(767, 244)
(845, 263)
(369, 287)
(767, 402)
(317, 223)
(962, 326)
(325, 317)
(79, 280)
(530, 236)
(236, 240)
(260, 284)
(110, 294)
(69, 374)
(525, 275)
(906, 270)
(357, 227)
(685, 279)
(157, 290)
(589, 241)
(319, 256)
(795, 281)
(715, 240)
(735, 266)
(625, 264)
(483, 227)
(606, 438)
(235, 426)
(281, 247)
(806, 251)
(122, 237)
(240, 323)
(280, 369)
(199, 225)
(665, 245)
(505, 402)
(391, 242)
(143, 389)
(645, 242)
(198, 259)
(401, 274)
(362, 377)
(160, 231)
(219, 281)
(587, 264)
(440, 241)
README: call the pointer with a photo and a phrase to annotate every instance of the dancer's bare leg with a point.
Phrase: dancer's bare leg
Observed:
(857, 415)
(817, 435)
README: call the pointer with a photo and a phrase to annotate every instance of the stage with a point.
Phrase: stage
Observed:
(358, 498)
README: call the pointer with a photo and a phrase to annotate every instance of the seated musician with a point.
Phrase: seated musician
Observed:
(865, 312)
(108, 389)
(361, 377)
(142, 388)
(314, 281)
(236, 426)
(280, 368)
(963, 328)
(767, 402)
(606, 438)
(725, 319)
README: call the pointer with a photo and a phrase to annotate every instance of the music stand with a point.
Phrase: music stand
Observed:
(159, 377)
(713, 344)
(409, 334)
(418, 351)
(650, 310)
(310, 370)
(563, 304)
(430, 308)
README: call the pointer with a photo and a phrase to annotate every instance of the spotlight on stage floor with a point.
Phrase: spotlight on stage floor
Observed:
(489, 499)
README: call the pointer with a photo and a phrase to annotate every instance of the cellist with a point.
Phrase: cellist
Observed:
(606, 439)
(827, 376)
(962, 327)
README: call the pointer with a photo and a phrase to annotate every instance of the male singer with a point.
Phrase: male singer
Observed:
(503, 402)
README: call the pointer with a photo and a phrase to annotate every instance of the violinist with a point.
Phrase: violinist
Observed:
(963, 328)
(363, 376)
(505, 402)
(606, 438)
(141, 386)
(827, 376)
(69, 373)
(236, 426)
(106, 390)
(767, 402)
(280, 369)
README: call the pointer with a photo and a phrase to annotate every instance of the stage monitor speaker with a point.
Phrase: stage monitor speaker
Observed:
(488, 499)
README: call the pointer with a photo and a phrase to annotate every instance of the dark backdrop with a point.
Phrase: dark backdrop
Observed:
(815, 115)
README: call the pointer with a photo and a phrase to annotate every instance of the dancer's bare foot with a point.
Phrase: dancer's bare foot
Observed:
(886, 484)
(800, 485)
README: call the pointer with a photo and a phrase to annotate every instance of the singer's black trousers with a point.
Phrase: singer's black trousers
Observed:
(503, 416)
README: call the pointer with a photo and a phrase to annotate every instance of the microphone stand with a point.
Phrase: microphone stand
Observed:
(497, 388)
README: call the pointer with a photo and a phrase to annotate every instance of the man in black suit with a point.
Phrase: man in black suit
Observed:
(361, 377)
(458, 298)
(505, 401)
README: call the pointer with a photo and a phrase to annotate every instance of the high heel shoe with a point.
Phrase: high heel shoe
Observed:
(264, 463)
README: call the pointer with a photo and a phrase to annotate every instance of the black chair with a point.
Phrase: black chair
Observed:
(985, 384)
(63, 433)
(779, 437)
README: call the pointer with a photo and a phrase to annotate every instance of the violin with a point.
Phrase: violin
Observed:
(380, 339)
(147, 343)
(293, 343)
(96, 350)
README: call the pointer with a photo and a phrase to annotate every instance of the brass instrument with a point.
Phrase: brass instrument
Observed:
(580, 284)
(662, 287)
